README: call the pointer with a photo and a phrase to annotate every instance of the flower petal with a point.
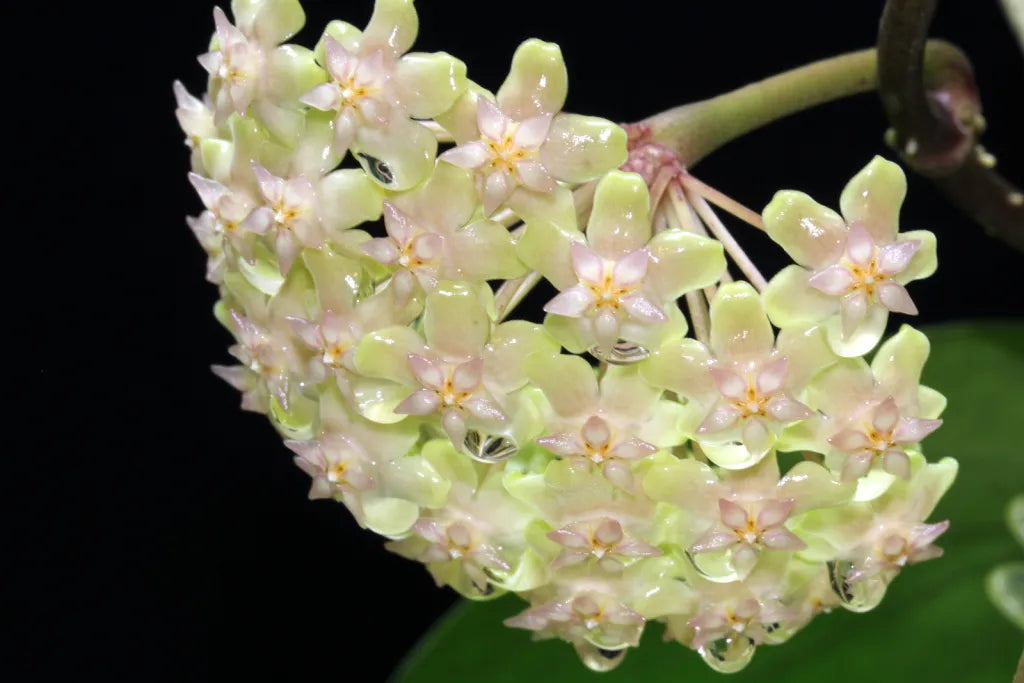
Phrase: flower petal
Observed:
(894, 296)
(429, 84)
(813, 235)
(455, 321)
(573, 302)
(620, 220)
(681, 262)
(537, 81)
(582, 148)
(739, 326)
(393, 24)
(873, 197)
(790, 300)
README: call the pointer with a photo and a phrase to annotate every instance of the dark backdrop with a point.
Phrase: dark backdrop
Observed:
(165, 534)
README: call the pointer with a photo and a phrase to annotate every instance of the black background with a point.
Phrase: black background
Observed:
(163, 534)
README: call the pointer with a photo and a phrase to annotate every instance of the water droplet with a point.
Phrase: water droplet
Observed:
(489, 447)
(729, 654)
(860, 595)
(377, 168)
(598, 658)
(623, 353)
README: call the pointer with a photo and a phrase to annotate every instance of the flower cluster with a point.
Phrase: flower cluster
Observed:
(602, 464)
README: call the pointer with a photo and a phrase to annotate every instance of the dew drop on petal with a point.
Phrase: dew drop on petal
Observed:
(860, 595)
(489, 447)
(729, 654)
(621, 353)
(599, 659)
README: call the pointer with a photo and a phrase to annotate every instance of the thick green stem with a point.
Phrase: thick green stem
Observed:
(695, 130)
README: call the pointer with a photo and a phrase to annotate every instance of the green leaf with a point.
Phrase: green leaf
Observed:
(936, 622)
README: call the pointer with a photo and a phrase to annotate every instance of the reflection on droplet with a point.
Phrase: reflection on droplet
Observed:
(623, 353)
(489, 447)
(599, 659)
(377, 168)
(729, 654)
(860, 595)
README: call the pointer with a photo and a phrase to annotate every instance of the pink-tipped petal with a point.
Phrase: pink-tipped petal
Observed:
(566, 444)
(714, 540)
(894, 296)
(427, 372)
(722, 416)
(772, 376)
(428, 247)
(856, 466)
(729, 384)
(484, 409)
(325, 97)
(596, 432)
(774, 512)
(860, 248)
(489, 119)
(925, 534)
(631, 269)
(781, 539)
(732, 515)
(422, 402)
(642, 308)
(893, 258)
(533, 175)
(608, 532)
(632, 449)
(618, 473)
(835, 280)
(471, 155)
(896, 462)
(573, 302)
(853, 310)
(532, 132)
(467, 376)
(569, 538)
(850, 440)
(912, 430)
(785, 409)
(885, 415)
(398, 224)
(381, 249)
(588, 265)
(497, 188)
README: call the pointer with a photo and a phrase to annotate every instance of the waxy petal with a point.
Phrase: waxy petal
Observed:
(782, 539)
(537, 81)
(582, 148)
(739, 326)
(813, 235)
(620, 220)
(894, 258)
(912, 430)
(894, 296)
(573, 302)
(835, 280)
(873, 198)
(860, 248)
(471, 155)
(786, 410)
(732, 515)
(420, 402)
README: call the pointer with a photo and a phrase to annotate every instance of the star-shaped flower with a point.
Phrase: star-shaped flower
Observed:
(746, 386)
(378, 92)
(852, 268)
(618, 282)
(521, 142)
